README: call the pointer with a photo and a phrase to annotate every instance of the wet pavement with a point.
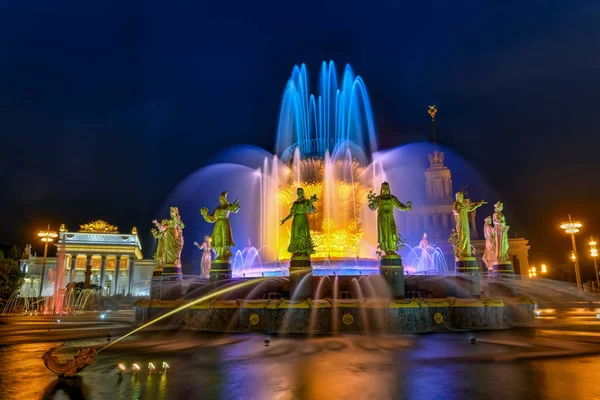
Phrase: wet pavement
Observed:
(557, 358)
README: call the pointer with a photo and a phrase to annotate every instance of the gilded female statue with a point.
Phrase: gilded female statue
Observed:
(501, 232)
(159, 233)
(387, 233)
(221, 236)
(300, 241)
(461, 209)
(174, 238)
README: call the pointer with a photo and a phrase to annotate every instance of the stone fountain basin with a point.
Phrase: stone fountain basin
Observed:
(340, 316)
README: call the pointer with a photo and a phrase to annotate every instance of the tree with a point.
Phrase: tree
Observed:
(15, 253)
(11, 277)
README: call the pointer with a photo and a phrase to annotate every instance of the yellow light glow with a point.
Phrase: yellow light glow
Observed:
(592, 243)
(530, 275)
(136, 367)
(573, 256)
(336, 235)
(533, 270)
(544, 269)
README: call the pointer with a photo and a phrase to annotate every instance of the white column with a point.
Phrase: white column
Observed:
(102, 272)
(130, 273)
(116, 277)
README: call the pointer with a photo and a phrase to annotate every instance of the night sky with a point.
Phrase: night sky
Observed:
(106, 106)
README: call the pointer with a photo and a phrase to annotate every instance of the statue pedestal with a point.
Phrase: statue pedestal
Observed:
(391, 269)
(155, 284)
(505, 285)
(220, 270)
(171, 282)
(467, 277)
(300, 282)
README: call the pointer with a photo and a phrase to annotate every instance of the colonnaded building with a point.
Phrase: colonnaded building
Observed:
(115, 258)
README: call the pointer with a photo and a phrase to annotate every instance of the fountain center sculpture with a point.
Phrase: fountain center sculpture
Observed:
(301, 243)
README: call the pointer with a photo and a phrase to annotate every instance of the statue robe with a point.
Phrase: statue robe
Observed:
(387, 233)
(300, 241)
(461, 218)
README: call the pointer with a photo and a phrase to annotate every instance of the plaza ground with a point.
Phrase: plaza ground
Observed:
(558, 357)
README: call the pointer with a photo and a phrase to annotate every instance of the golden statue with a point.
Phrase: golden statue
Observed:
(221, 236)
(159, 233)
(301, 243)
(174, 238)
(501, 233)
(387, 233)
(98, 226)
(461, 209)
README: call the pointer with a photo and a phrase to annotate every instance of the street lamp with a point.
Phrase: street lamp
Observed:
(532, 272)
(46, 236)
(544, 268)
(572, 227)
(594, 254)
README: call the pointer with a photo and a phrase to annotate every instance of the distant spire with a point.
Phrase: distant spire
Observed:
(432, 111)
(436, 158)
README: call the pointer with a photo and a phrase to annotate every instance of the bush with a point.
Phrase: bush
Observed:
(11, 277)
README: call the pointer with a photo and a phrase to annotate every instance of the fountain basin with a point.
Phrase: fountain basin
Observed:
(340, 316)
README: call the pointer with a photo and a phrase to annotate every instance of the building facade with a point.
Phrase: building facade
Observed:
(112, 259)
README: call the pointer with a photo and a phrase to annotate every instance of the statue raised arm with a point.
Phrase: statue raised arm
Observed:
(461, 209)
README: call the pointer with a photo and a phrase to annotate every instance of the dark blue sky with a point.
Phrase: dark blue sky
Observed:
(106, 106)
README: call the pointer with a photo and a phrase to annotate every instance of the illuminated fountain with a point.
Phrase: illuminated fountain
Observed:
(326, 144)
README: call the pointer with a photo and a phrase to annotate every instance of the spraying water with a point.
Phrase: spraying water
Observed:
(187, 305)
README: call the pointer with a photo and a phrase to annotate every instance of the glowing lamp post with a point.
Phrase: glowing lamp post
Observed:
(46, 236)
(594, 254)
(572, 227)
